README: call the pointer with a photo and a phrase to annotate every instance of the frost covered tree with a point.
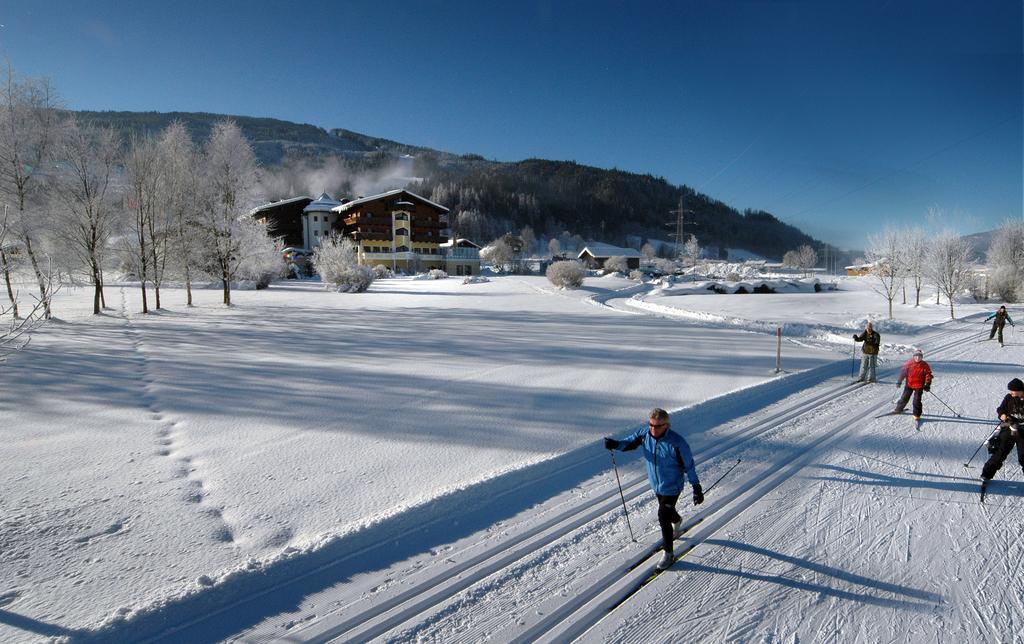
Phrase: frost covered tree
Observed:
(949, 267)
(554, 248)
(566, 274)
(142, 166)
(86, 212)
(647, 250)
(1006, 261)
(181, 202)
(915, 259)
(616, 264)
(691, 251)
(336, 261)
(498, 254)
(529, 240)
(230, 178)
(806, 258)
(29, 129)
(885, 251)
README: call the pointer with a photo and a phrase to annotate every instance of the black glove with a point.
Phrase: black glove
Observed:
(927, 386)
(854, 337)
(899, 385)
(698, 494)
(611, 443)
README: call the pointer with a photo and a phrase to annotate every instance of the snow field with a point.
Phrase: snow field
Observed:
(164, 466)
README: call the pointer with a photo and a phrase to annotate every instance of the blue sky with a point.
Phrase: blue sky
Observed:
(839, 118)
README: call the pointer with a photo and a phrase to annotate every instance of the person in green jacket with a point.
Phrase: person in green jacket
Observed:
(1001, 318)
(872, 341)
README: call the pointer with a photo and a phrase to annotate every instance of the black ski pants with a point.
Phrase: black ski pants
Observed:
(1004, 445)
(996, 326)
(902, 402)
(667, 515)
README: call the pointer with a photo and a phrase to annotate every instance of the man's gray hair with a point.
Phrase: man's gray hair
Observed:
(658, 414)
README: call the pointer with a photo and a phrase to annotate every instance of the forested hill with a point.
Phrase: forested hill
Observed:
(489, 198)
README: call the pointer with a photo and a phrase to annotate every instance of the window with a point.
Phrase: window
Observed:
(402, 231)
(314, 218)
(316, 233)
(402, 249)
(401, 217)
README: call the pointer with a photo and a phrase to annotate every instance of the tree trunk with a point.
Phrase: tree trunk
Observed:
(145, 307)
(227, 289)
(97, 288)
(39, 276)
(890, 308)
(904, 291)
(7, 279)
(157, 289)
(188, 285)
(951, 316)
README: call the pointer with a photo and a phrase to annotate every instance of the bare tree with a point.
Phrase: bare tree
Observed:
(144, 179)
(885, 252)
(87, 214)
(806, 258)
(181, 201)
(949, 266)
(230, 170)
(915, 258)
(29, 127)
(1006, 260)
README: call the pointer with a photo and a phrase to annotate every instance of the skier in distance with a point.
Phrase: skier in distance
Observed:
(869, 359)
(1001, 318)
(918, 375)
(669, 460)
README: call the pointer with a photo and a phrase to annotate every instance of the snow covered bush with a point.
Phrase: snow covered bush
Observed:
(636, 276)
(616, 264)
(380, 272)
(567, 274)
(437, 274)
(733, 277)
(475, 279)
(335, 260)
(664, 266)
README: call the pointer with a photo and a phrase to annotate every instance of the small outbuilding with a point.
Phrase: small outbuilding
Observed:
(595, 255)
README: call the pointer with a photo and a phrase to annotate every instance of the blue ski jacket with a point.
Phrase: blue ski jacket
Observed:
(668, 460)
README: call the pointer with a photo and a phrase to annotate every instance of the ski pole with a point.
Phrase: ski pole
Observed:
(621, 496)
(723, 476)
(944, 403)
(983, 443)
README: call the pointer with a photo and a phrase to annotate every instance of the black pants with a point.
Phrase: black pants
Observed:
(667, 515)
(1004, 445)
(902, 403)
(999, 327)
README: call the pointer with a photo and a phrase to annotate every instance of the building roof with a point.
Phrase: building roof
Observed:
(278, 204)
(358, 202)
(323, 203)
(461, 241)
(607, 250)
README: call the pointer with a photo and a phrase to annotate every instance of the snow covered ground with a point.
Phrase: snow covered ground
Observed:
(422, 461)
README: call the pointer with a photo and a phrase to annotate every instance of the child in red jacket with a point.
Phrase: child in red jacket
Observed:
(918, 376)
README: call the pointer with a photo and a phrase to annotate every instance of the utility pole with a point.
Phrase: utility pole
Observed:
(679, 222)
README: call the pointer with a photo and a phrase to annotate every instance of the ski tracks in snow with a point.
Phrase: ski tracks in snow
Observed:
(168, 435)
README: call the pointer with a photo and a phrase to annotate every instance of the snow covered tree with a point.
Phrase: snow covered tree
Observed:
(949, 267)
(144, 178)
(566, 274)
(554, 248)
(29, 128)
(181, 202)
(529, 240)
(885, 251)
(1006, 261)
(336, 261)
(806, 258)
(647, 250)
(230, 180)
(86, 212)
(915, 255)
(692, 251)
(498, 254)
(616, 264)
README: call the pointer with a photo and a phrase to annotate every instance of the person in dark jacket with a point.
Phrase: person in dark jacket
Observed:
(1010, 433)
(1001, 318)
(869, 360)
(918, 375)
(669, 465)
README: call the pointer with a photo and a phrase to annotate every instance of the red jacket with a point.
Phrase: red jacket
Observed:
(917, 374)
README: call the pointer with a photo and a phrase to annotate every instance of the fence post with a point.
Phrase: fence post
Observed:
(778, 350)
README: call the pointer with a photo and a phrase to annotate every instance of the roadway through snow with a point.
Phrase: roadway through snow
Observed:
(568, 569)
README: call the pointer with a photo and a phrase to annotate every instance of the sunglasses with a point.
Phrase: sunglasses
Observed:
(656, 425)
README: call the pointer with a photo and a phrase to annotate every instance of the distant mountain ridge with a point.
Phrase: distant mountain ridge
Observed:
(489, 198)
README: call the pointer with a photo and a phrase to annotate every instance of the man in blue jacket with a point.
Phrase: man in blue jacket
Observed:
(668, 460)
